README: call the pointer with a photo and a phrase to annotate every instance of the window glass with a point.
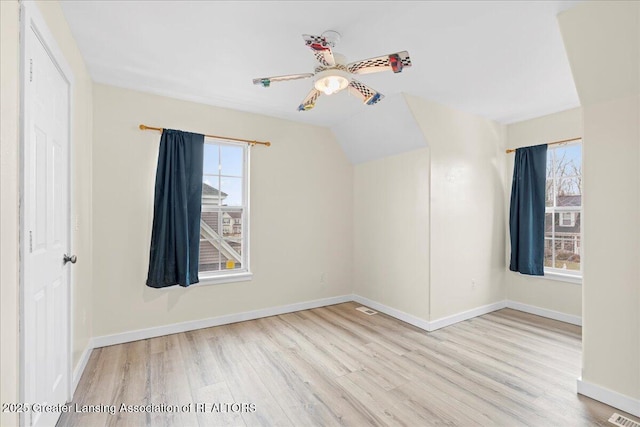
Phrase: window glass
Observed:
(231, 190)
(231, 160)
(211, 159)
(223, 239)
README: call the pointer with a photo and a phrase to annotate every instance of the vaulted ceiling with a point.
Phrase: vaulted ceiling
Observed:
(501, 60)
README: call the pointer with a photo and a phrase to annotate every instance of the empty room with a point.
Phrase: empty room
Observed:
(320, 213)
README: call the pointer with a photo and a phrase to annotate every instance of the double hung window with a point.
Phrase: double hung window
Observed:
(563, 210)
(225, 210)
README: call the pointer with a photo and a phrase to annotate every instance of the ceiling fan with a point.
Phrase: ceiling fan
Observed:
(333, 73)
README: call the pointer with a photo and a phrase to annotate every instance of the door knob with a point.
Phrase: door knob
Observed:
(72, 259)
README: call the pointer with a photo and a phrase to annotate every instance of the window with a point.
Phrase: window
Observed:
(567, 219)
(223, 227)
(563, 211)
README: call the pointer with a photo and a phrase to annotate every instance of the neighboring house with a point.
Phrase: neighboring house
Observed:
(219, 252)
(232, 224)
(211, 196)
(567, 229)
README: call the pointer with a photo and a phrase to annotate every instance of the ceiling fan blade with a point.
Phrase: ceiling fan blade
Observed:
(310, 100)
(394, 62)
(321, 49)
(266, 81)
(365, 93)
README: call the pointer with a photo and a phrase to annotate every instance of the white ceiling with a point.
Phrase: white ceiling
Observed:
(498, 59)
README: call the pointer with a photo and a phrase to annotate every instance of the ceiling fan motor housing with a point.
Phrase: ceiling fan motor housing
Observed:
(332, 37)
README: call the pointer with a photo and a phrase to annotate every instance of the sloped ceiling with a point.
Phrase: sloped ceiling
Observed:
(374, 133)
(605, 59)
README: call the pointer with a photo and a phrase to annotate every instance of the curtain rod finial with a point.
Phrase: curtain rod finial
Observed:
(142, 127)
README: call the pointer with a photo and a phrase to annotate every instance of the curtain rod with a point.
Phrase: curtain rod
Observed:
(248, 141)
(564, 141)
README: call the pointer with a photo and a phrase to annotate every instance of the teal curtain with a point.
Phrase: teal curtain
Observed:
(526, 216)
(175, 235)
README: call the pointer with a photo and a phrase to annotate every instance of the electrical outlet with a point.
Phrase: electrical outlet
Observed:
(473, 283)
(323, 278)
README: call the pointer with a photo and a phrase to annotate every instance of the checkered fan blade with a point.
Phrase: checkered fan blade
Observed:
(364, 92)
(266, 81)
(310, 101)
(395, 62)
(321, 49)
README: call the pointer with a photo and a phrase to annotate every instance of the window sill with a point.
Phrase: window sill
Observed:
(559, 277)
(225, 278)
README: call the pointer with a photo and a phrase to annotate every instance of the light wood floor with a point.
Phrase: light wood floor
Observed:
(338, 366)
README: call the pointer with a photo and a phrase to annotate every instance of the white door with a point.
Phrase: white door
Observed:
(45, 231)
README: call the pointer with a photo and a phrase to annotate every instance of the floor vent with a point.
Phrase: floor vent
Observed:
(367, 310)
(621, 421)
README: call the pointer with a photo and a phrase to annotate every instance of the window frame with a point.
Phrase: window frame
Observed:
(574, 276)
(244, 273)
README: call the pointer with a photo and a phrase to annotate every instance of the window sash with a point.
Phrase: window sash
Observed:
(554, 239)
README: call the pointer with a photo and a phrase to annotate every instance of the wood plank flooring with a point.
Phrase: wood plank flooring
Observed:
(337, 366)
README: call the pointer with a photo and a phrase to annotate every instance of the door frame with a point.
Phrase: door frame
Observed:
(32, 20)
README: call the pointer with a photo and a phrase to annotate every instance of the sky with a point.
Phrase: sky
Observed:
(223, 171)
(572, 154)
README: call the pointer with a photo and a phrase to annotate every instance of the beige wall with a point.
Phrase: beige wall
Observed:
(553, 295)
(301, 213)
(467, 207)
(391, 231)
(602, 40)
(9, 220)
(611, 336)
(81, 170)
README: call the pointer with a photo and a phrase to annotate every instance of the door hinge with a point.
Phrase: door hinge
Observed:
(30, 241)
(30, 70)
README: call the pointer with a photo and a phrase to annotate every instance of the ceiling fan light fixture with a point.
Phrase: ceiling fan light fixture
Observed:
(331, 81)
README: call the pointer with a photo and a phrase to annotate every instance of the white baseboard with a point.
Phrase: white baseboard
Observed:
(433, 324)
(141, 334)
(77, 372)
(551, 314)
(465, 315)
(610, 397)
(400, 315)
